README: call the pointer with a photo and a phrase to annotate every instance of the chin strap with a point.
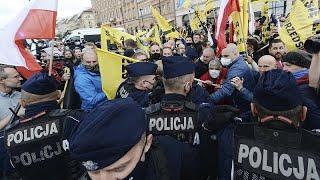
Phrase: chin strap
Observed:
(279, 118)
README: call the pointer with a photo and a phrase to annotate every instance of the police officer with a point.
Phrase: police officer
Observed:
(282, 148)
(182, 119)
(112, 142)
(37, 145)
(141, 80)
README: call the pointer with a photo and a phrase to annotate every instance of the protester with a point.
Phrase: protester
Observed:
(78, 56)
(236, 67)
(213, 79)
(167, 51)
(87, 81)
(155, 52)
(277, 50)
(202, 64)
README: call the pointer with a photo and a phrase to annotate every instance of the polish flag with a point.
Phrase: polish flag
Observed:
(227, 7)
(36, 21)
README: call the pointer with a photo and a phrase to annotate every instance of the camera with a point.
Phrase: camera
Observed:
(312, 44)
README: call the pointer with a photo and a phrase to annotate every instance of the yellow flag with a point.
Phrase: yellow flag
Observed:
(265, 25)
(297, 27)
(186, 4)
(141, 41)
(112, 70)
(238, 31)
(105, 38)
(240, 22)
(117, 36)
(244, 6)
(167, 29)
(198, 20)
(208, 8)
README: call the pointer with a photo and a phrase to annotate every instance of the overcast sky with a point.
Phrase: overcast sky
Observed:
(10, 8)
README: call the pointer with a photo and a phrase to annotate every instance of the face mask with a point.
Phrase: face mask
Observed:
(225, 61)
(214, 73)
(155, 56)
(94, 69)
(188, 44)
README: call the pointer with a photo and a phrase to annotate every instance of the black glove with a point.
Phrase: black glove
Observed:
(222, 115)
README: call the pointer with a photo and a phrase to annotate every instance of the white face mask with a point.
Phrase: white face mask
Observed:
(225, 61)
(214, 73)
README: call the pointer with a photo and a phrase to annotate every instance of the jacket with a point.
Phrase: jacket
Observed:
(88, 86)
(237, 68)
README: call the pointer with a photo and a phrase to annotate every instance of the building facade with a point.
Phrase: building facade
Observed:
(136, 14)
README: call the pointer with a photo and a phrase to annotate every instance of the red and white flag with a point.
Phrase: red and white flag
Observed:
(227, 7)
(36, 21)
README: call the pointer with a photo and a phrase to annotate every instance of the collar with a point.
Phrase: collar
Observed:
(278, 118)
(34, 109)
(233, 62)
(8, 94)
(174, 97)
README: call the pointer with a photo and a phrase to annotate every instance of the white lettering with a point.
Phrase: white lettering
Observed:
(190, 123)
(265, 166)
(65, 145)
(38, 134)
(255, 150)
(18, 137)
(243, 152)
(275, 162)
(299, 174)
(9, 139)
(53, 128)
(152, 123)
(159, 124)
(285, 172)
(196, 140)
(312, 170)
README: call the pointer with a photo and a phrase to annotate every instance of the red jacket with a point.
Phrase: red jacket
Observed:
(219, 80)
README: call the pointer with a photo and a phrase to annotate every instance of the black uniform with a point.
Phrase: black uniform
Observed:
(183, 120)
(38, 146)
(266, 153)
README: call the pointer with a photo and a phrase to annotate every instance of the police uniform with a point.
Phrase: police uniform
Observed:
(109, 131)
(276, 147)
(38, 145)
(128, 89)
(177, 117)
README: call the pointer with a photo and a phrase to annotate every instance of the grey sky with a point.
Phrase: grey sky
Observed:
(10, 8)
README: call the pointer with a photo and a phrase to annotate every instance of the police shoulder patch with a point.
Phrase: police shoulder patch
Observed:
(90, 165)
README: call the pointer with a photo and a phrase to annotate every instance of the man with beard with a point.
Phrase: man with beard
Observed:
(155, 52)
(88, 81)
(197, 43)
(277, 50)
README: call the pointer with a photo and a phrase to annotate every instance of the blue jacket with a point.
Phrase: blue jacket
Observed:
(88, 86)
(237, 68)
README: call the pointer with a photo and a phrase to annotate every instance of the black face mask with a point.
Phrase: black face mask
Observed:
(94, 69)
(188, 44)
(155, 56)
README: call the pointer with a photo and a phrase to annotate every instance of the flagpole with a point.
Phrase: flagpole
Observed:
(51, 58)
(202, 24)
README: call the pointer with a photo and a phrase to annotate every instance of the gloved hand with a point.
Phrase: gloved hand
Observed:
(222, 115)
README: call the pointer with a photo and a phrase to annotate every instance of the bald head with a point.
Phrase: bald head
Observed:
(267, 63)
(230, 52)
(207, 55)
(90, 58)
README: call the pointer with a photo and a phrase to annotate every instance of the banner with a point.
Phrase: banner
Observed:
(112, 70)
(265, 25)
(114, 35)
(297, 27)
(167, 29)
(208, 8)
(199, 20)
(240, 22)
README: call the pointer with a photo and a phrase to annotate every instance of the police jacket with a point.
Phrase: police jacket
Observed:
(176, 117)
(38, 145)
(127, 89)
(266, 152)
